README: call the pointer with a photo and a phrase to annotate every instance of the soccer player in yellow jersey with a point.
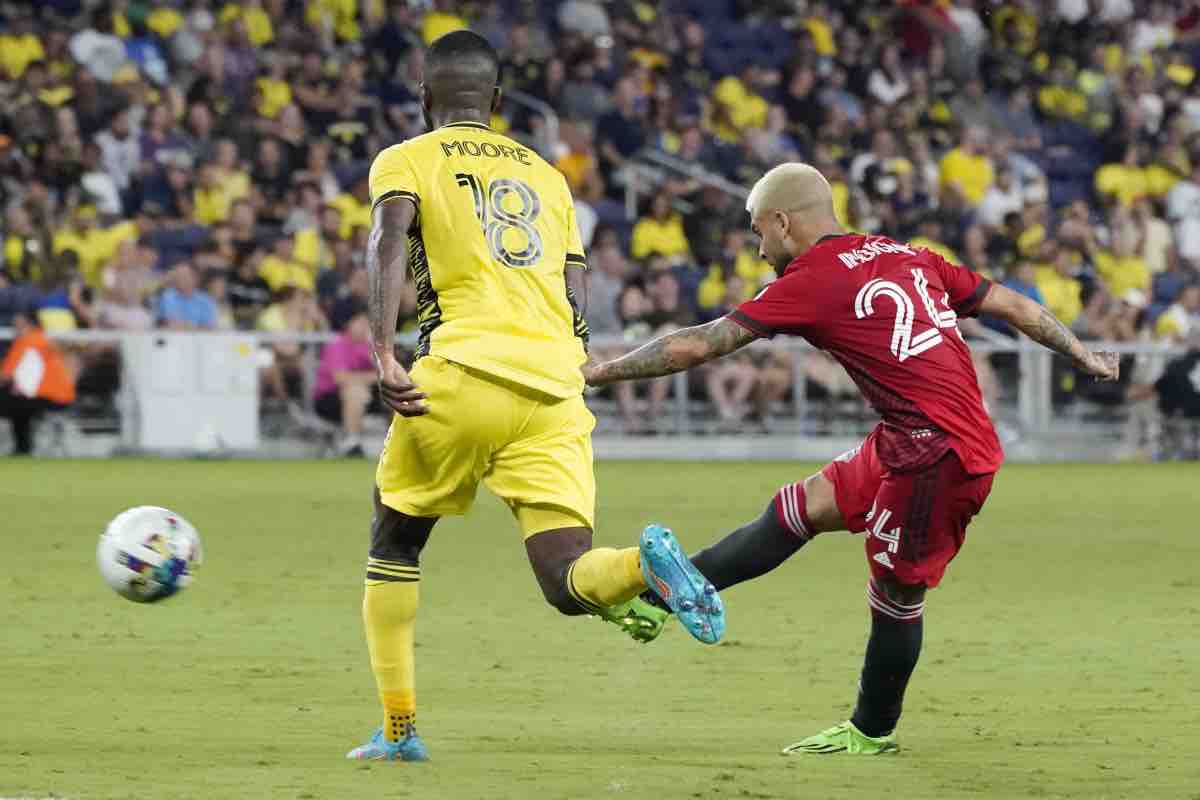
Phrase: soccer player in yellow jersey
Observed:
(486, 230)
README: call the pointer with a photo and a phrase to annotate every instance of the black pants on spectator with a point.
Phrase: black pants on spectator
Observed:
(21, 411)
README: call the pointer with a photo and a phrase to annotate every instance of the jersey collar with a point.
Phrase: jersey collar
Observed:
(467, 125)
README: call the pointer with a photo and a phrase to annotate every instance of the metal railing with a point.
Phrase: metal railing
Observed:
(1030, 403)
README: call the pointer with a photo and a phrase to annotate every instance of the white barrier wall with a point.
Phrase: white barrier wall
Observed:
(189, 393)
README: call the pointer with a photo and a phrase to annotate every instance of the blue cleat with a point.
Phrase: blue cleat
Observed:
(671, 576)
(377, 748)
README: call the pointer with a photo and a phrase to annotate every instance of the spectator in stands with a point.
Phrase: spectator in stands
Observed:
(1183, 210)
(609, 269)
(967, 170)
(34, 379)
(294, 311)
(621, 133)
(248, 293)
(1182, 318)
(1060, 288)
(346, 381)
(661, 233)
(731, 381)
(183, 306)
(1002, 198)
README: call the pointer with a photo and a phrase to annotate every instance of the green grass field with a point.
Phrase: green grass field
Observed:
(1060, 654)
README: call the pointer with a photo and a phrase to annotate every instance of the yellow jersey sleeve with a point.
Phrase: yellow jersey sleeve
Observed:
(393, 175)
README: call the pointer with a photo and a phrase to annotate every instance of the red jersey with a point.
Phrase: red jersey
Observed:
(887, 313)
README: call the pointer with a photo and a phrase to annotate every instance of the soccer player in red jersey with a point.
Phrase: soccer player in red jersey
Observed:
(886, 312)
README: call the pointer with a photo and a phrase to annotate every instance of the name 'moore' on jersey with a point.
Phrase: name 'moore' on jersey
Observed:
(494, 234)
(887, 312)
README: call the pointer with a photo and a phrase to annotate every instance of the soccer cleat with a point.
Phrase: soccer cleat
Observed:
(641, 620)
(671, 576)
(844, 738)
(377, 748)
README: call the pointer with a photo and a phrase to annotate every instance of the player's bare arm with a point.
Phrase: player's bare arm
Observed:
(673, 352)
(1035, 321)
(387, 267)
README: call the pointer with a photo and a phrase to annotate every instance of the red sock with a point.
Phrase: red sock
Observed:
(791, 505)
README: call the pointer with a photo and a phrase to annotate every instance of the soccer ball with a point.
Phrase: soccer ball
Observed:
(148, 553)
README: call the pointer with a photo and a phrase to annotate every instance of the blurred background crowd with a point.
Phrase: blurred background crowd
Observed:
(200, 165)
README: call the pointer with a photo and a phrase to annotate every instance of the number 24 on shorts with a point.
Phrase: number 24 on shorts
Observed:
(497, 220)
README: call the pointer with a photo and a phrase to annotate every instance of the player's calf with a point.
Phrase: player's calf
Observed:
(897, 612)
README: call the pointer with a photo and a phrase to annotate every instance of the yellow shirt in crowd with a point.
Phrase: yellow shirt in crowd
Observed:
(972, 174)
(95, 247)
(664, 238)
(1063, 296)
(354, 214)
(1122, 274)
(18, 52)
(279, 273)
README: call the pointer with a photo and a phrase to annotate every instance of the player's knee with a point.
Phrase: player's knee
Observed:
(906, 593)
(398, 537)
(551, 554)
(821, 504)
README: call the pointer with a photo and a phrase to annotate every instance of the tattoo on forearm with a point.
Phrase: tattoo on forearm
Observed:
(1049, 331)
(678, 350)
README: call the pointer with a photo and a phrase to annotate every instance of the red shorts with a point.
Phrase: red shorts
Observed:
(915, 521)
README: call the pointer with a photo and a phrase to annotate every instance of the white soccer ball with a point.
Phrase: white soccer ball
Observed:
(147, 554)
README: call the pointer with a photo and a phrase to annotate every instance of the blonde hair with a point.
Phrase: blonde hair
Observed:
(790, 187)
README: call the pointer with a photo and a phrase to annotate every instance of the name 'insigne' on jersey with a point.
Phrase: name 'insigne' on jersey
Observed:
(494, 234)
(887, 313)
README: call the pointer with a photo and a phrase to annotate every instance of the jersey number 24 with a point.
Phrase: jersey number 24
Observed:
(904, 344)
(496, 220)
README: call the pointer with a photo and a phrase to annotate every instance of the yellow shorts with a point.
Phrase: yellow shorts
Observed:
(533, 451)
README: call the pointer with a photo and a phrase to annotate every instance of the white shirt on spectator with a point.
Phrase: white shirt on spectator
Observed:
(1183, 208)
(861, 163)
(586, 220)
(970, 26)
(997, 204)
(1116, 10)
(101, 53)
(887, 89)
(1149, 36)
(103, 189)
(1072, 11)
(119, 157)
(585, 17)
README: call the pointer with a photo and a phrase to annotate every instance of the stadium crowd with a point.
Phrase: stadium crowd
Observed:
(201, 165)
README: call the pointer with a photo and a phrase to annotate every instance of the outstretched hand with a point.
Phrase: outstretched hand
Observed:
(1103, 366)
(398, 390)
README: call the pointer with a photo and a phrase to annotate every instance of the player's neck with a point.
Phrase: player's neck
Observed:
(451, 116)
(822, 232)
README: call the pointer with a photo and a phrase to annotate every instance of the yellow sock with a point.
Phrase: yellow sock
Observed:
(389, 616)
(605, 577)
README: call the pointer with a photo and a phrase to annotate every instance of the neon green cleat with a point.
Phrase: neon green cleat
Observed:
(844, 738)
(641, 620)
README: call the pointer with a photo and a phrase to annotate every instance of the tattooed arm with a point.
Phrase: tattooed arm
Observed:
(673, 352)
(387, 268)
(1036, 322)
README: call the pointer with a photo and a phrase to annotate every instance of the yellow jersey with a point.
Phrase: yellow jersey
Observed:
(494, 234)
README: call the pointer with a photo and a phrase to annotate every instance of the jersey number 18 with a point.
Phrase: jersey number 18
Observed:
(496, 220)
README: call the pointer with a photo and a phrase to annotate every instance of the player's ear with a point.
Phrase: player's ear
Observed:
(496, 96)
(785, 222)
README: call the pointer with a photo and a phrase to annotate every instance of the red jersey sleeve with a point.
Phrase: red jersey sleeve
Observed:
(966, 288)
(782, 307)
